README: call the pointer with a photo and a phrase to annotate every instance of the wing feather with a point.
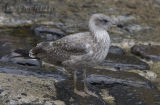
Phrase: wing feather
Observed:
(62, 49)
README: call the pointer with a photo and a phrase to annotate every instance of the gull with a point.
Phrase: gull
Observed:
(79, 50)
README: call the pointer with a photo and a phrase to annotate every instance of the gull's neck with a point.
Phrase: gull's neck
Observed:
(99, 34)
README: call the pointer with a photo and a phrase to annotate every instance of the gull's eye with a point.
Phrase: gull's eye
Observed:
(105, 21)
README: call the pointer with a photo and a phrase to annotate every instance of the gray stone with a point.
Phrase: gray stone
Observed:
(124, 62)
(4, 49)
(48, 33)
(131, 84)
(134, 96)
(149, 52)
(125, 18)
(116, 50)
(66, 94)
(157, 1)
(131, 79)
(135, 27)
(10, 68)
(21, 57)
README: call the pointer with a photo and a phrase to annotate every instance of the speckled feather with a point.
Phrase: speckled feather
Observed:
(81, 49)
(56, 52)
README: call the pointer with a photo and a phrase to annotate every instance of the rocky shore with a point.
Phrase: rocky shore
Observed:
(129, 75)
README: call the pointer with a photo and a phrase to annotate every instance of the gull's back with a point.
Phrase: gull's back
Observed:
(67, 51)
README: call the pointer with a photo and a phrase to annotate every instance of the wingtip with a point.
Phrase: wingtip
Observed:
(31, 54)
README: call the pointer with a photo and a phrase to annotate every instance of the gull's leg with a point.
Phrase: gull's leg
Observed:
(85, 86)
(83, 94)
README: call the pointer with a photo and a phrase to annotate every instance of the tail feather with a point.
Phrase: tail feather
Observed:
(33, 53)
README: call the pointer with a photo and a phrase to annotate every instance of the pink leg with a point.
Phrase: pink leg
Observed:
(83, 94)
(85, 86)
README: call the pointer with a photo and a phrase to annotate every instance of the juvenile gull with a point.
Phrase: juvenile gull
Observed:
(78, 50)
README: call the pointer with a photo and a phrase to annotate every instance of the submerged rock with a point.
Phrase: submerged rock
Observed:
(48, 33)
(149, 52)
(21, 57)
(124, 62)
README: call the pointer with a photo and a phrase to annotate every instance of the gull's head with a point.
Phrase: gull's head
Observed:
(101, 21)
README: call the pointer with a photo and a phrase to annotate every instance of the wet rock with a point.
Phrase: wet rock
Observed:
(21, 57)
(49, 33)
(65, 93)
(124, 62)
(150, 75)
(21, 52)
(4, 49)
(21, 61)
(134, 96)
(124, 88)
(111, 78)
(116, 50)
(149, 52)
(131, 84)
(10, 68)
(107, 97)
(120, 25)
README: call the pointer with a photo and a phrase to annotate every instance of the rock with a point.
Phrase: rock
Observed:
(22, 52)
(125, 18)
(21, 57)
(150, 75)
(125, 95)
(4, 49)
(135, 27)
(65, 93)
(75, 14)
(17, 69)
(19, 89)
(111, 78)
(28, 85)
(107, 97)
(58, 102)
(116, 50)
(158, 1)
(124, 62)
(49, 33)
(131, 84)
(123, 88)
(149, 52)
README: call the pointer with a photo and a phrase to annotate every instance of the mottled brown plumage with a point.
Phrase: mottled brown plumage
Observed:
(78, 50)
